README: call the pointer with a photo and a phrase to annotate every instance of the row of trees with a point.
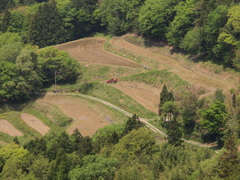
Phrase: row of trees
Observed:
(24, 69)
(124, 151)
(209, 28)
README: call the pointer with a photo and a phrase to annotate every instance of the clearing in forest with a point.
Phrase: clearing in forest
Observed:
(90, 51)
(9, 129)
(85, 119)
(35, 123)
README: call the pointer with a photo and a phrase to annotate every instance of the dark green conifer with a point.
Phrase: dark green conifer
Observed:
(6, 21)
(132, 123)
(46, 27)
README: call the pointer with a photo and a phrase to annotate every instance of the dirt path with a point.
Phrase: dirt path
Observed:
(9, 129)
(185, 73)
(90, 51)
(144, 120)
(146, 95)
(86, 120)
(35, 123)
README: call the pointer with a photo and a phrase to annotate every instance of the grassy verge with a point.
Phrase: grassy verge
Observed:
(6, 138)
(116, 97)
(156, 78)
(145, 61)
(98, 72)
(15, 119)
(49, 115)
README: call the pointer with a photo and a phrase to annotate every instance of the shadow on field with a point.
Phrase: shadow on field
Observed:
(20, 104)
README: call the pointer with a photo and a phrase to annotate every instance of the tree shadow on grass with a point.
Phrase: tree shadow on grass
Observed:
(19, 105)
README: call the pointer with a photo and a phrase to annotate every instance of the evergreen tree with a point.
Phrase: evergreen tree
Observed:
(16, 140)
(229, 161)
(174, 133)
(234, 100)
(132, 123)
(164, 97)
(189, 115)
(6, 4)
(85, 22)
(6, 21)
(46, 27)
(77, 142)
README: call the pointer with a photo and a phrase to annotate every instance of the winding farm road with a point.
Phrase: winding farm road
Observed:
(144, 120)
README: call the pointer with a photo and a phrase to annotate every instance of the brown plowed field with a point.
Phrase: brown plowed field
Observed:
(187, 74)
(90, 51)
(9, 129)
(35, 123)
(86, 120)
(146, 95)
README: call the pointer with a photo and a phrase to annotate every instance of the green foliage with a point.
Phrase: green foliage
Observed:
(119, 16)
(5, 4)
(156, 78)
(165, 96)
(138, 143)
(46, 27)
(68, 14)
(15, 158)
(182, 22)
(154, 17)
(189, 115)
(213, 119)
(95, 167)
(85, 22)
(8, 39)
(107, 136)
(174, 133)
(214, 22)
(132, 123)
(219, 96)
(192, 40)
(16, 22)
(19, 79)
(57, 66)
(229, 162)
(6, 21)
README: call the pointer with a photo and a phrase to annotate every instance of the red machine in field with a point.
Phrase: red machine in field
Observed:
(112, 80)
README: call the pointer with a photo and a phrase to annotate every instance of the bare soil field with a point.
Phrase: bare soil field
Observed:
(185, 73)
(85, 119)
(35, 123)
(9, 129)
(90, 51)
(144, 94)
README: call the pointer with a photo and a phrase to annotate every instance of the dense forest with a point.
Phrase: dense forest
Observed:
(28, 63)
(124, 151)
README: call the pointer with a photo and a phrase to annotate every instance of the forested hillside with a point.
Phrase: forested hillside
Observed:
(209, 28)
(126, 152)
(200, 125)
